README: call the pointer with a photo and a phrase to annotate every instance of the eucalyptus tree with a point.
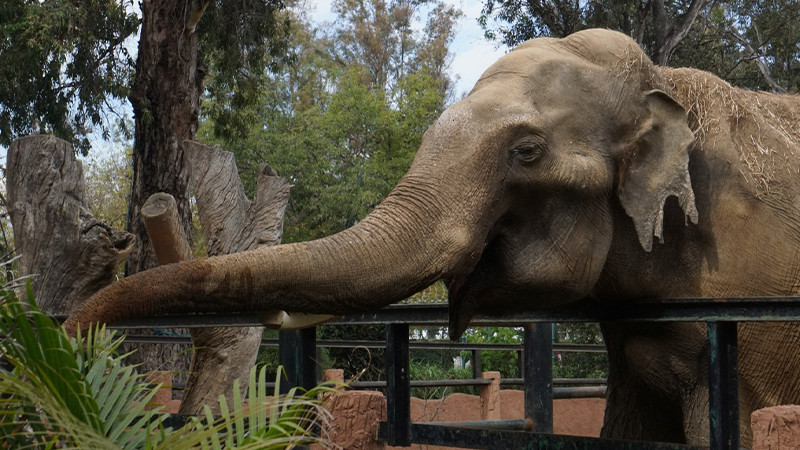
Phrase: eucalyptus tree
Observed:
(65, 66)
(344, 120)
(67, 63)
(750, 43)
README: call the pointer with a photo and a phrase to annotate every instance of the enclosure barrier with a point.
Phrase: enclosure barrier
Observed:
(563, 388)
(721, 316)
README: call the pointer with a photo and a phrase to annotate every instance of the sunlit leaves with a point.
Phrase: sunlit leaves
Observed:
(64, 65)
(750, 43)
(344, 121)
(78, 393)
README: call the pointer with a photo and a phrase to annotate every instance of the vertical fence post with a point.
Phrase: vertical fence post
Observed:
(297, 354)
(477, 366)
(723, 385)
(538, 375)
(398, 388)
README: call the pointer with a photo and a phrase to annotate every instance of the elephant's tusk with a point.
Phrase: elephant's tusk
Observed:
(281, 320)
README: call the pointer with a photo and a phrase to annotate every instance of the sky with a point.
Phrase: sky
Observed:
(472, 54)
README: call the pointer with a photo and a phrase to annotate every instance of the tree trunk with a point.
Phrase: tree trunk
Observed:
(165, 97)
(669, 35)
(231, 223)
(69, 252)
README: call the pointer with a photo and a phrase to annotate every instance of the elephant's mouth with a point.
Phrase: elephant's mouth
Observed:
(467, 290)
(466, 293)
(460, 314)
(454, 285)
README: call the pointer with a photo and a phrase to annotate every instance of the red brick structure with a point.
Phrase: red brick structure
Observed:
(776, 428)
(355, 414)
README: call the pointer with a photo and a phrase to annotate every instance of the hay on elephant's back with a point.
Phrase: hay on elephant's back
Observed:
(764, 127)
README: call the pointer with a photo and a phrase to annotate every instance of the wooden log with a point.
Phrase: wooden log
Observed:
(70, 253)
(168, 239)
(160, 216)
(231, 223)
(168, 242)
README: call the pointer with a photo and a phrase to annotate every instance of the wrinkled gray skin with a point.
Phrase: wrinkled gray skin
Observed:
(546, 186)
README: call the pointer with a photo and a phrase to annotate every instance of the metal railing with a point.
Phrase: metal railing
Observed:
(721, 316)
(563, 387)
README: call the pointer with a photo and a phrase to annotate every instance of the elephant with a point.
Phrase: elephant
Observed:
(574, 171)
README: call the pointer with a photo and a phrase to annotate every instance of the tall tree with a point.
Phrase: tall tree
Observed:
(238, 39)
(751, 43)
(66, 61)
(342, 124)
(657, 25)
(64, 66)
(344, 121)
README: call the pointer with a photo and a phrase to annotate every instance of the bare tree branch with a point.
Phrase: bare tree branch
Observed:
(669, 35)
(754, 54)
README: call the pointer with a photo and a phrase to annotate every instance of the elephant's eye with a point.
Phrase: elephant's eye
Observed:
(529, 149)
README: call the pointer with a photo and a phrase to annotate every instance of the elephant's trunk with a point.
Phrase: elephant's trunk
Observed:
(403, 246)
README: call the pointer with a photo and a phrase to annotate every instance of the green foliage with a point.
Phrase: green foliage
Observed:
(738, 37)
(504, 361)
(565, 364)
(518, 21)
(751, 43)
(78, 393)
(341, 125)
(579, 364)
(263, 423)
(69, 393)
(67, 66)
(108, 185)
(426, 371)
(64, 63)
(6, 237)
(268, 356)
(241, 44)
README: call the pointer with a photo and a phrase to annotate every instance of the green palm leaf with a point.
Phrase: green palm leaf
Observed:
(78, 393)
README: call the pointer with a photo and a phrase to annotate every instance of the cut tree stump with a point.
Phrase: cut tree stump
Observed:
(231, 223)
(70, 254)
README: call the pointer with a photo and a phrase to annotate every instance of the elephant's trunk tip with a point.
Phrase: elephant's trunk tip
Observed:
(163, 289)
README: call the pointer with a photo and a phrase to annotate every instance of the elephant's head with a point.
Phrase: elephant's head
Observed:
(511, 198)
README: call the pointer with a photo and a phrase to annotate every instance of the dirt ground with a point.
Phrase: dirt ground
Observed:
(576, 417)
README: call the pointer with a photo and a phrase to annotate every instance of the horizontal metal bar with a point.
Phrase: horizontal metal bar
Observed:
(558, 392)
(510, 425)
(578, 381)
(421, 383)
(559, 381)
(433, 434)
(756, 309)
(414, 344)
(446, 383)
(579, 392)
(571, 383)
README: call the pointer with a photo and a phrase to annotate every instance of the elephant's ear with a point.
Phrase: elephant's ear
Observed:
(658, 168)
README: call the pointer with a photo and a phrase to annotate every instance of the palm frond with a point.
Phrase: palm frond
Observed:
(59, 392)
(69, 392)
(266, 421)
